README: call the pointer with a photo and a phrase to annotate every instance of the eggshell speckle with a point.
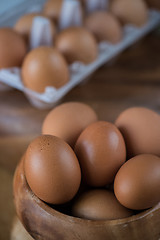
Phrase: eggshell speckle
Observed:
(42, 67)
(104, 26)
(68, 120)
(141, 130)
(99, 204)
(12, 48)
(130, 12)
(137, 183)
(77, 44)
(52, 169)
(101, 151)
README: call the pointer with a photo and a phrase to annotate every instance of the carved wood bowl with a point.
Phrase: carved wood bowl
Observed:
(44, 222)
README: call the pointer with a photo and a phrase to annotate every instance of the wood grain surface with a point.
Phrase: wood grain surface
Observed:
(6, 204)
(18, 232)
(133, 79)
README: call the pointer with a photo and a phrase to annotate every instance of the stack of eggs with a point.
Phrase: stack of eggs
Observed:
(104, 170)
(93, 22)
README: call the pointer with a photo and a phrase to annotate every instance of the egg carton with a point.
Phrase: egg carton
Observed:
(17, 8)
(11, 78)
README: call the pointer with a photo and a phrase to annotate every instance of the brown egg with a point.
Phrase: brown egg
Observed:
(52, 169)
(52, 9)
(137, 183)
(68, 120)
(77, 44)
(130, 12)
(42, 67)
(154, 3)
(24, 24)
(101, 151)
(99, 205)
(104, 26)
(12, 48)
(140, 128)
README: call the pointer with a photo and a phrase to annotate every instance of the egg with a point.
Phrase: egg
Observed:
(52, 9)
(12, 48)
(130, 12)
(52, 169)
(99, 204)
(24, 25)
(104, 26)
(137, 183)
(68, 120)
(140, 128)
(101, 151)
(154, 4)
(42, 67)
(77, 44)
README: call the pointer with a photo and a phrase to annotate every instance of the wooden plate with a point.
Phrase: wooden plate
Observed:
(44, 222)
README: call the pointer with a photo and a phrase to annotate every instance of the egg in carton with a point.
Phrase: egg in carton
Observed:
(72, 15)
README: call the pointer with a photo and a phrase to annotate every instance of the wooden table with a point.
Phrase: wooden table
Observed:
(131, 80)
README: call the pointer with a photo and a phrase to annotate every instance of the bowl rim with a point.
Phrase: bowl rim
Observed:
(78, 220)
(63, 217)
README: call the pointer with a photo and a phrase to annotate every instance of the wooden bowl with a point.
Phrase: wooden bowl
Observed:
(44, 222)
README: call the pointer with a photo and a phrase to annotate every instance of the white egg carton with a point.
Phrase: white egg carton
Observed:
(17, 8)
(78, 71)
